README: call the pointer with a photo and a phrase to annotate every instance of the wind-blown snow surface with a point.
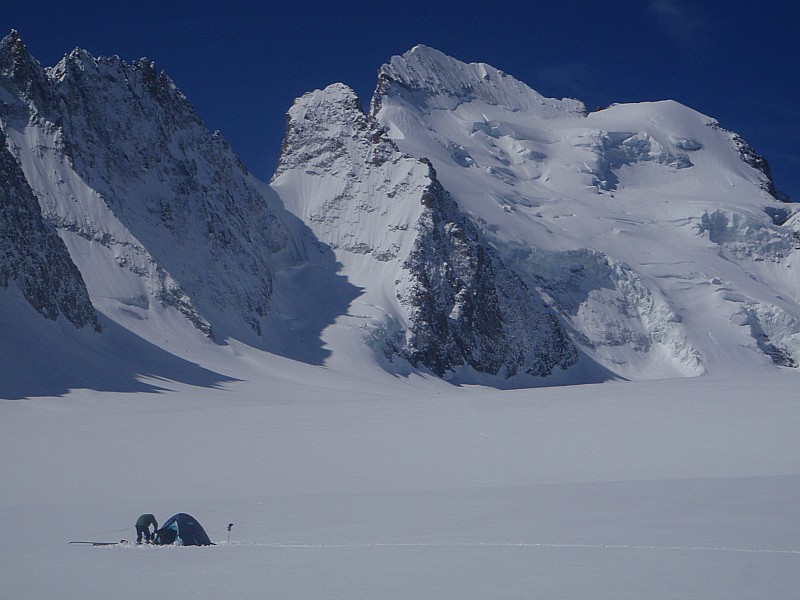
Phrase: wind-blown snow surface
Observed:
(384, 488)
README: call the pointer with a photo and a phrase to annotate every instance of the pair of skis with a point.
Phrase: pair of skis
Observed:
(119, 543)
(101, 543)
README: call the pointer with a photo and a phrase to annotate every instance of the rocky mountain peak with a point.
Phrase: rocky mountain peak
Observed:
(18, 69)
(166, 206)
(13, 53)
(326, 125)
(336, 94)
(107, 74)
(336, 108)
(435, 296)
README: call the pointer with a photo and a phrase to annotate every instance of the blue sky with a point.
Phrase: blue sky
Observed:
(242, 64)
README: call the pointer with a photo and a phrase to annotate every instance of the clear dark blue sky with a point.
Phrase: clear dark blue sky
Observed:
(242, 65)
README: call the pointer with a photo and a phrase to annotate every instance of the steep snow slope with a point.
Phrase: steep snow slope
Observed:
(433, 292)
(651, 229)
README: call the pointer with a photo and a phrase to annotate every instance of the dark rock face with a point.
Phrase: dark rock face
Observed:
(20, 72)
(467, 308)
(33, 256)
(755, 160)
(188, 185)
(748, 154)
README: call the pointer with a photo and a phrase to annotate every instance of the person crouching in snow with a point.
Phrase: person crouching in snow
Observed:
(143, 528)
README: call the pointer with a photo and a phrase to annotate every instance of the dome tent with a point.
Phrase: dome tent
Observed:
(182, 530)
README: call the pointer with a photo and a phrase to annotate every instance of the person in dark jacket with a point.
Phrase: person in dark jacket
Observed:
(143, 528)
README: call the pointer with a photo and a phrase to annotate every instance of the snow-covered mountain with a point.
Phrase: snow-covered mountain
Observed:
(435, 293)
(465, 227)
(159, 214)
(654, 232)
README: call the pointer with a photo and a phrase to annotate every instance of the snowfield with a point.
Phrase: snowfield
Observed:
(380, 487)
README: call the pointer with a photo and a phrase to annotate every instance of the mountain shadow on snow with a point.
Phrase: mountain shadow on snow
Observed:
(54, 358)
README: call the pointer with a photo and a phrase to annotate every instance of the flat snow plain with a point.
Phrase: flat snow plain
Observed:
(408, 488)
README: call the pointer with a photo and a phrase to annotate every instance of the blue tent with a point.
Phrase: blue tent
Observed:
(182, 530)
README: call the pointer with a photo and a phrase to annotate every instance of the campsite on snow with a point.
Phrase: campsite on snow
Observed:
(467, 342)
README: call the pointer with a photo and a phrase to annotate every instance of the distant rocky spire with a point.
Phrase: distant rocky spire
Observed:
(19, 69)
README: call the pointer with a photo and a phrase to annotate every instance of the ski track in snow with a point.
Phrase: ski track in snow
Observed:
(519, 545)
(307, 546)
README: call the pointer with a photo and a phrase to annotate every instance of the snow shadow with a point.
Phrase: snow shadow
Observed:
(52, 358)
(308, 296)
